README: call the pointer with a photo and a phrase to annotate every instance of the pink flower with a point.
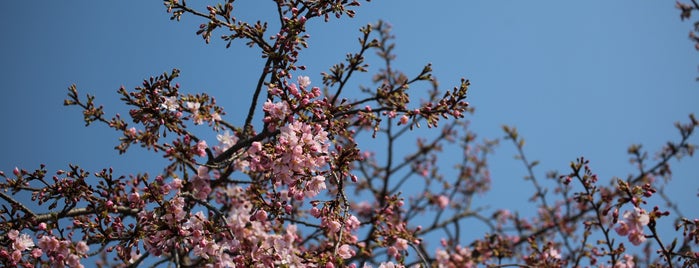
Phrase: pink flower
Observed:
(637, 217)
(201, 184)
(314, 186)
(404, 120)
(401, 244)
(392, 251)
(73, 261)
(633, 225)
(227, 140)
(16, 256)
(193, 106)
(352, 222)
(315, 212)
(131, 132)
(170, 103)
(273, 90)
(48, 243)
(13, 234)
(201, 148)
(334, 226)
(294, 90)
(81, 247)
(442, 201)
(261, 215)
(276, 110)
(442, 257)
(215, 117)
(23, 242)
(134, 198)
(303, 81)
(626, 263)
(552, 253)
(390, 265)
(203, 172)
(636, 237)
(175, 210)
(345, 251)
(622, 229)
(36, 253)
(176, 184)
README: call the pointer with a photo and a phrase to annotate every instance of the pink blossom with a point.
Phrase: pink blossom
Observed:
(314, 186)
(261, 215)
(404, 120)
(226, 139)
(81, 247)
(74, 261)
(390, 265)
(13, 234)
(633, 224)
(315, 91)
(636, 237)
(273, 90)
(23, 242)
(294, 90)
(352, 222)
(334, 226)
(442, 256)
(442, 201)
(201, 148)
(215, 117)
(401, 244)
(345, 251)
(170, 103)
(637, 217)
(552, 253)
(303, 81)
(201, 183)
(393, 251)
(622, 229)
(131, 132)
(48, 243)
(36, 253)
(176, 184)
(315, 212)
(276, 110)
(193, 106)
(16, 256)
(134, 198)
(175, 210)
(628, 262)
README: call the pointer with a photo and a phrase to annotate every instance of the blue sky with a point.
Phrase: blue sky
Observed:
(576, 78)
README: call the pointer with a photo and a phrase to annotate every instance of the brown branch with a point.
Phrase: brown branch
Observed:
(18, 204)
(662, 163)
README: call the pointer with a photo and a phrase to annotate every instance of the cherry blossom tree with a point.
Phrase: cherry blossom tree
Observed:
(293, 185)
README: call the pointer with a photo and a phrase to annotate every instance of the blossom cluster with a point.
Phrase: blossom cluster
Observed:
(300, 188)
(58, 252)
(632, 225)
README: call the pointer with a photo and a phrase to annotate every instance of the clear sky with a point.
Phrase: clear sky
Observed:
(577, 78)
